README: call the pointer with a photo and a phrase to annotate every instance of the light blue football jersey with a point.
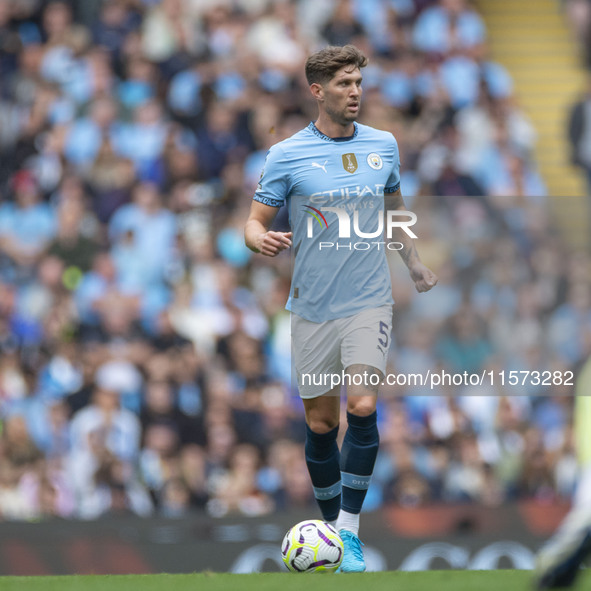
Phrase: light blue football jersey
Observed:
(339, 256)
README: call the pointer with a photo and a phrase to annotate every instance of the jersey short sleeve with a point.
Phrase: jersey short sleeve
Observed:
(274, 184)
(393, 183)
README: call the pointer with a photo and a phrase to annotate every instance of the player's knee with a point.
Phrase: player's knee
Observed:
(322, 425)
(361, 407)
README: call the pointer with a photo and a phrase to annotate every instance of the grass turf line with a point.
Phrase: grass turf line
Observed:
(444, 580)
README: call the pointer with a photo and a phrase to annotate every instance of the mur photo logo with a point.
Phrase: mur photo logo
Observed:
(348, 225)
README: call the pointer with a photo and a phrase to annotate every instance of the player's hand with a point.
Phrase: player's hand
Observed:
(423, 277)
(272, 243)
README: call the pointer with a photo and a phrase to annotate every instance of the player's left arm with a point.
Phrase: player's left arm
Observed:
(422, 276)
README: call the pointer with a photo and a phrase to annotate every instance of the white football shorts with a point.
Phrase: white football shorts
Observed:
(325, 349)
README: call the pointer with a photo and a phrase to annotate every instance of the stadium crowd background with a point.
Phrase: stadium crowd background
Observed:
(145, 362)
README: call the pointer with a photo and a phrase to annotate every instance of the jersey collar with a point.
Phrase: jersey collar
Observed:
(324, 137)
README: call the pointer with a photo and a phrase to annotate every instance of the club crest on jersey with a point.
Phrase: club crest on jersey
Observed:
(350, 162)
(375, 161)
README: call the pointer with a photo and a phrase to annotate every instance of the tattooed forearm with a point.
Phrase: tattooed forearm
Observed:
(408, 252)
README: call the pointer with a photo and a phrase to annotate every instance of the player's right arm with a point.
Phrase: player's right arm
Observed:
(257, 235)
(273, 188)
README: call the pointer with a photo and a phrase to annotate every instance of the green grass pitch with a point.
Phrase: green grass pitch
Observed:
(504, 580)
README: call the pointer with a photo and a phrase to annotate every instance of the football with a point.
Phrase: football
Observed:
(312, 546)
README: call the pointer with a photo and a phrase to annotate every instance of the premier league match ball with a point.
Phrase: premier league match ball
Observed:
(312, 546)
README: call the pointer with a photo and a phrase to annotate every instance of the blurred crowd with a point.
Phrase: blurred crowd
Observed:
(578, 15)
(145, 352)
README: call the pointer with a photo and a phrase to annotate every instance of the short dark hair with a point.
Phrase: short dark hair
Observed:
(323, 65)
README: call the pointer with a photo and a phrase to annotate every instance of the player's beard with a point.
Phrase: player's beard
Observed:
(342, 117)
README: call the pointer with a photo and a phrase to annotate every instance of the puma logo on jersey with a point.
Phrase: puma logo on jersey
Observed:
(323, 166)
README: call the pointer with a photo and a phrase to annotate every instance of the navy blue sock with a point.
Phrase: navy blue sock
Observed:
(358, 457)
(323, 460)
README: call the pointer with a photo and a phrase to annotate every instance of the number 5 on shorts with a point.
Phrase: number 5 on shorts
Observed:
(384, 331)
